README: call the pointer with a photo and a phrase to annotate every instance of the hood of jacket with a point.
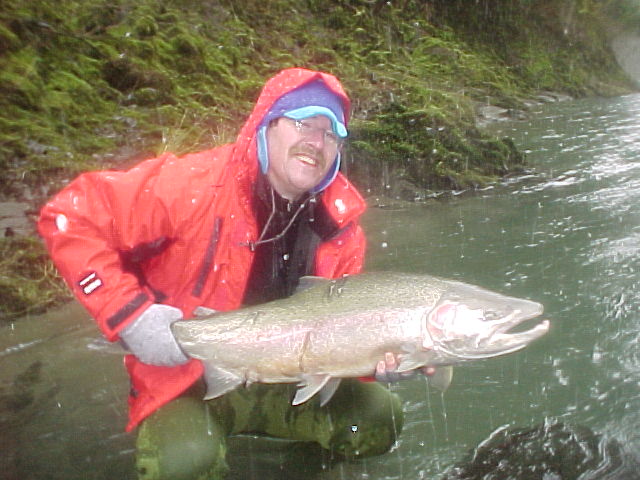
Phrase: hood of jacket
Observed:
(245, 155)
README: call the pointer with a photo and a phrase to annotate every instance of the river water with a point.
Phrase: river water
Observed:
(567, 235)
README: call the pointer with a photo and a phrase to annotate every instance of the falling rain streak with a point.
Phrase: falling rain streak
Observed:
(567, 235)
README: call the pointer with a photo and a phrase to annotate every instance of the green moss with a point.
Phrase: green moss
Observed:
(71, 72)
(426, 148)
(28, 281)
(82, 81)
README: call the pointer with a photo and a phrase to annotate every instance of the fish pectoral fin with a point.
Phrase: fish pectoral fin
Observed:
(219, 381)
(310, 385)
(409, 347)
(441, 379)
(328, 390)
(408, 363)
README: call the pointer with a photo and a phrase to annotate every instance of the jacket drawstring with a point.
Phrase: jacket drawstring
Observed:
(252, 245)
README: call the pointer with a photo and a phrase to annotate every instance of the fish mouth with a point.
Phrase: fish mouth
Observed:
(481, 324)
(502, 339)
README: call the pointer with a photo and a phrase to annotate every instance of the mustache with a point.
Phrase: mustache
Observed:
(307, 150)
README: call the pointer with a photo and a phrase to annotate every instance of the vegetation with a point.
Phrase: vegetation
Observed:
(102, 84)
(28, 280)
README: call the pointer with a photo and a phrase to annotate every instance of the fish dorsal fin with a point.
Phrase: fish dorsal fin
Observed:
(441, 379)
(326, 393)
(310, 281)
(311, 385)
(219, 381)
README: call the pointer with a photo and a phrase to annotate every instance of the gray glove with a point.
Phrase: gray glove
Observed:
(149, 337)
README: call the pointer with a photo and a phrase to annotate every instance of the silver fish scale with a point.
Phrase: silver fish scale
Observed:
(342, 328)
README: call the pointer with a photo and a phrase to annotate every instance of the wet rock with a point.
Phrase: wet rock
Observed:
(38, 148)
(490, 113)
(551, 451)
(486, 114)
(14, 220)
(530, 103)
(626, 47)
(553, 97)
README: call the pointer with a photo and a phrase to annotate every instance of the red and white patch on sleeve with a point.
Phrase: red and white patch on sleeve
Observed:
(90, 283)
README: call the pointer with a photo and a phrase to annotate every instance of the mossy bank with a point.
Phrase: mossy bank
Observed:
(103, 84)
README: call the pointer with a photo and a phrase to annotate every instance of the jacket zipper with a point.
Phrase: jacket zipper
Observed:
(209, 256)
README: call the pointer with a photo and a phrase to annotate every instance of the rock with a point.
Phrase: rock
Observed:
(626, 47)
(14, 220)
(551, 451)
(490, 113)
(553, 97)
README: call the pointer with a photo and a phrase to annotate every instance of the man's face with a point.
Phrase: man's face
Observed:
(300, 154)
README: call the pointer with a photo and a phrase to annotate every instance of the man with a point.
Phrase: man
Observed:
(173, 238)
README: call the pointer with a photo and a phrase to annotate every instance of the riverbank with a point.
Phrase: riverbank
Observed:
(107, 84)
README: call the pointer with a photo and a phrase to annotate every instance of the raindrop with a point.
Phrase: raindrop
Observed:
(62, 222)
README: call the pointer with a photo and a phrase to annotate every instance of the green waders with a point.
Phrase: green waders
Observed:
(186, 439)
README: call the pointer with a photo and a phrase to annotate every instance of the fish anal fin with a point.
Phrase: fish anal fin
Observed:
(326, 393)
(220, 381)
(310, 385)
(441, 379)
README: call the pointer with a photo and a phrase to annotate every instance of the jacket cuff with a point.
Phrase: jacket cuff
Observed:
(126, 314)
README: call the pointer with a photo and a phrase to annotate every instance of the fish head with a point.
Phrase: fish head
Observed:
(470, 323)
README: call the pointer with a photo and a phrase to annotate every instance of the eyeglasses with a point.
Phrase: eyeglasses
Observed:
(308, 131)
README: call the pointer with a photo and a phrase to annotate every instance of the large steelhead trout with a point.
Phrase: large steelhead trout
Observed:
(335, 329)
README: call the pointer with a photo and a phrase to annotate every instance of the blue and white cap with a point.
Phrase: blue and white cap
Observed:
(313, 98)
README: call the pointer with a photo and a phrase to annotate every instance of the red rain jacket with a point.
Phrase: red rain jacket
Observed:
(185, 222)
